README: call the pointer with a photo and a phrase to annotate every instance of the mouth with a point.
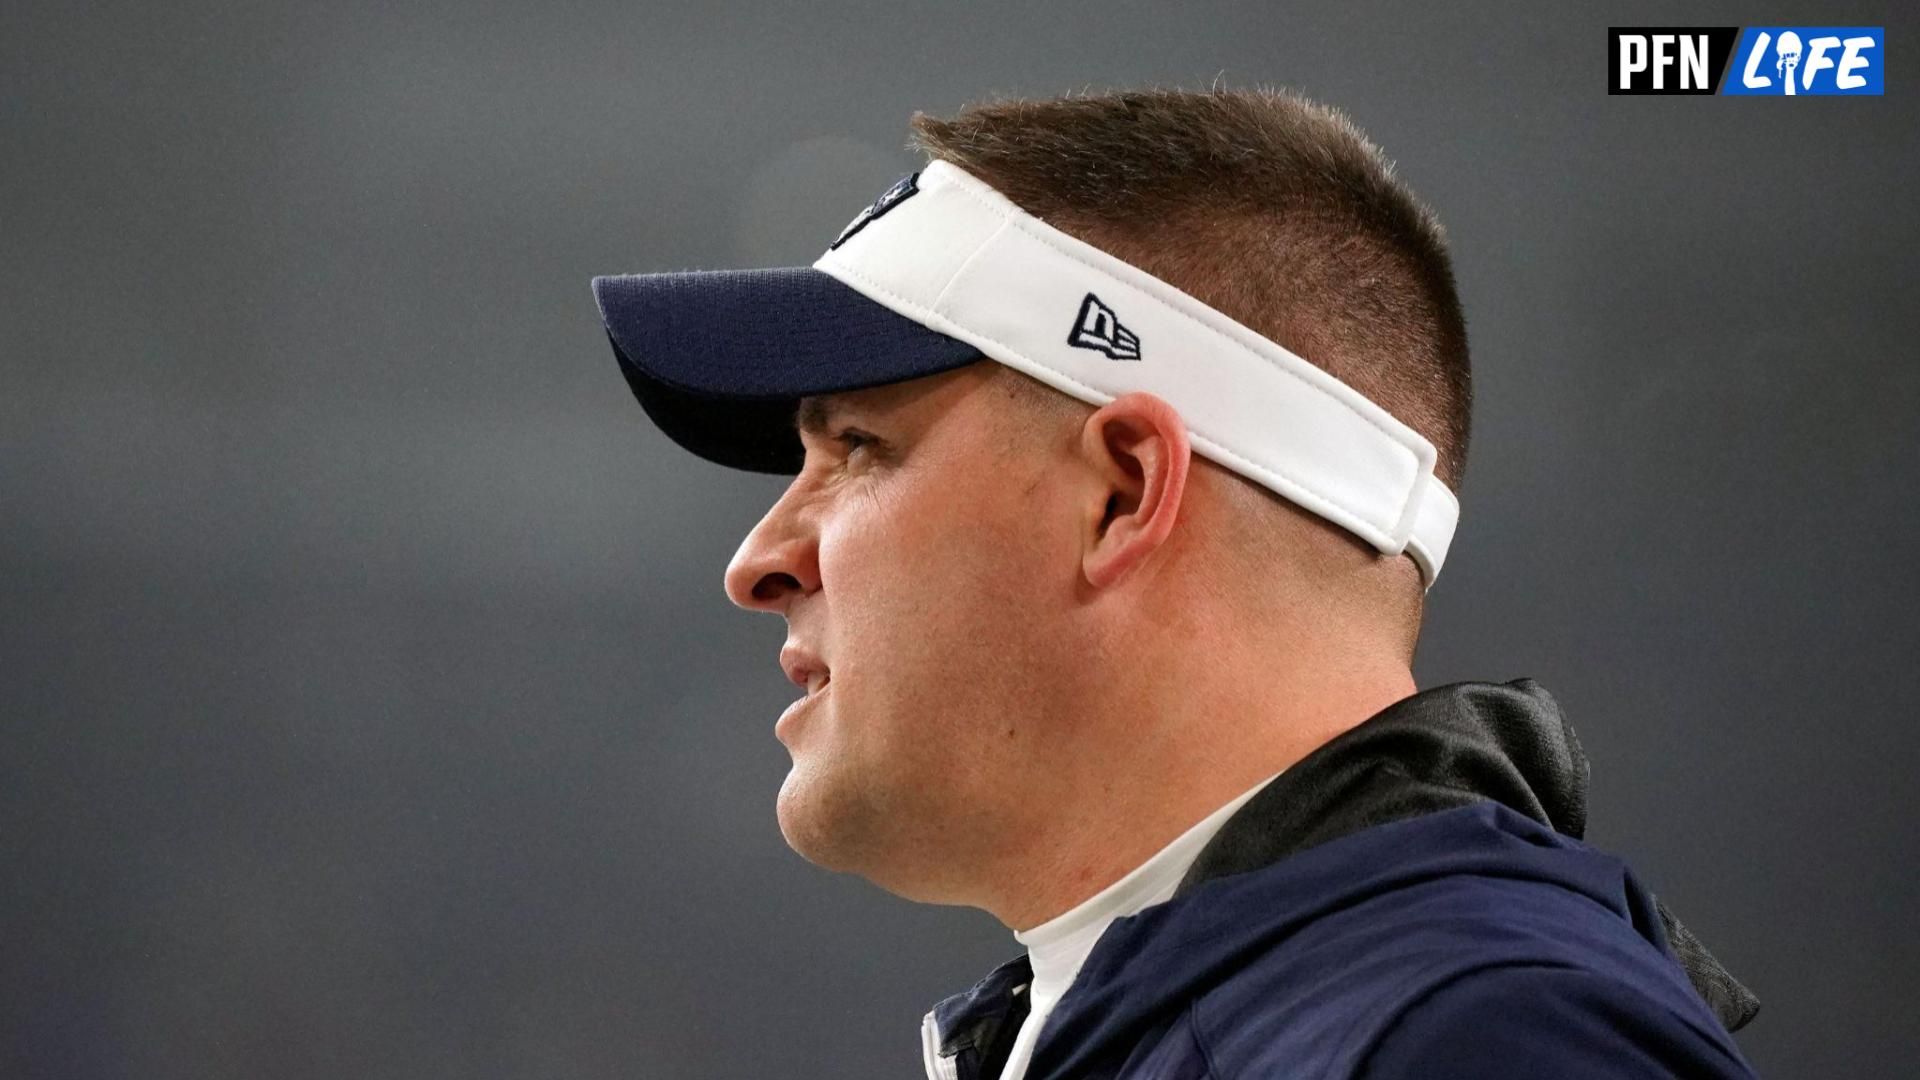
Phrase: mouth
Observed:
(816, 688)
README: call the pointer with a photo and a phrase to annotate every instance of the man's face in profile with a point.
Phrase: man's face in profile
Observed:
(925, 564)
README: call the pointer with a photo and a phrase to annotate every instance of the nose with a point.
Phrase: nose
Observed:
(777, 562)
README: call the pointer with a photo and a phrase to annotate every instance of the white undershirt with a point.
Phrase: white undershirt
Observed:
(1058, 947)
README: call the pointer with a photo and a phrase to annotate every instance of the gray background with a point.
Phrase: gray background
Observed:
(372, 705)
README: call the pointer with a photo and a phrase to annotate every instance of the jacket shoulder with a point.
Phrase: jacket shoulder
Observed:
(1527, 1020)
(1324, 999)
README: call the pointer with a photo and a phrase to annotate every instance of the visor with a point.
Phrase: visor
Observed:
(942, 270)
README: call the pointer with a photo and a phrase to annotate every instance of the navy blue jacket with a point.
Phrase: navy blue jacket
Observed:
(1410, 900)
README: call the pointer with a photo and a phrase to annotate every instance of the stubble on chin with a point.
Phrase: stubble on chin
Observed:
(851, 828)
(826, 818)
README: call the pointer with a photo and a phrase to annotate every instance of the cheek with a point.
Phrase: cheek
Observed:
(941, 604)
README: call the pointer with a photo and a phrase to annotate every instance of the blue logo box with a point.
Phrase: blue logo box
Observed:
(1807, 60)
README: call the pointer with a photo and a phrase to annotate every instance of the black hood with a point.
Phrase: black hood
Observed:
(1442, 748)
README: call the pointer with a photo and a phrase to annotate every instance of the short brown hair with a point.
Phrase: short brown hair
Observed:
(1270, 208)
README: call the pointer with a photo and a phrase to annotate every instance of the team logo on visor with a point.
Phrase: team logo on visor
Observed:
(1099, 328)
(890, 198)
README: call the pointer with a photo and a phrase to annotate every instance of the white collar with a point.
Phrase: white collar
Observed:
(1058, 947)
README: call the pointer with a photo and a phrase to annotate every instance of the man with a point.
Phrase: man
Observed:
(1125, 437)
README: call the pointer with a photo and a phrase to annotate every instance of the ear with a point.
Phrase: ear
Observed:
(1137, 446)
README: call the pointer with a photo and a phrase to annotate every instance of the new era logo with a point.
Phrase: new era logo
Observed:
(890, 198)
(1099, 328)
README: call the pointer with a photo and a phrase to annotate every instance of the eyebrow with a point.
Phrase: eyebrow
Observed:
(815, 414)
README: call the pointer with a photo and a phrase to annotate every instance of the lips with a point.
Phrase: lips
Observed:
(804, 667)
(783, 727)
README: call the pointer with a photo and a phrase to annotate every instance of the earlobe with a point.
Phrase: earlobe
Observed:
(1138, 445)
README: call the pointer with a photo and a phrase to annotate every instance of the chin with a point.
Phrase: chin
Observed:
(807, 825)
(846, 835)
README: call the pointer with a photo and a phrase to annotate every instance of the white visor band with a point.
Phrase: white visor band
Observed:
(960, 258)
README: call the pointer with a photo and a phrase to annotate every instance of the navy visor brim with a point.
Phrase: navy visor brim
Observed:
(719, 359)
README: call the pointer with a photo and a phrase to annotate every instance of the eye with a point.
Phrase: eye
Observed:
(853, 439)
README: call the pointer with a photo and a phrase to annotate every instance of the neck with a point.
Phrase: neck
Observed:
(1174, 744)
